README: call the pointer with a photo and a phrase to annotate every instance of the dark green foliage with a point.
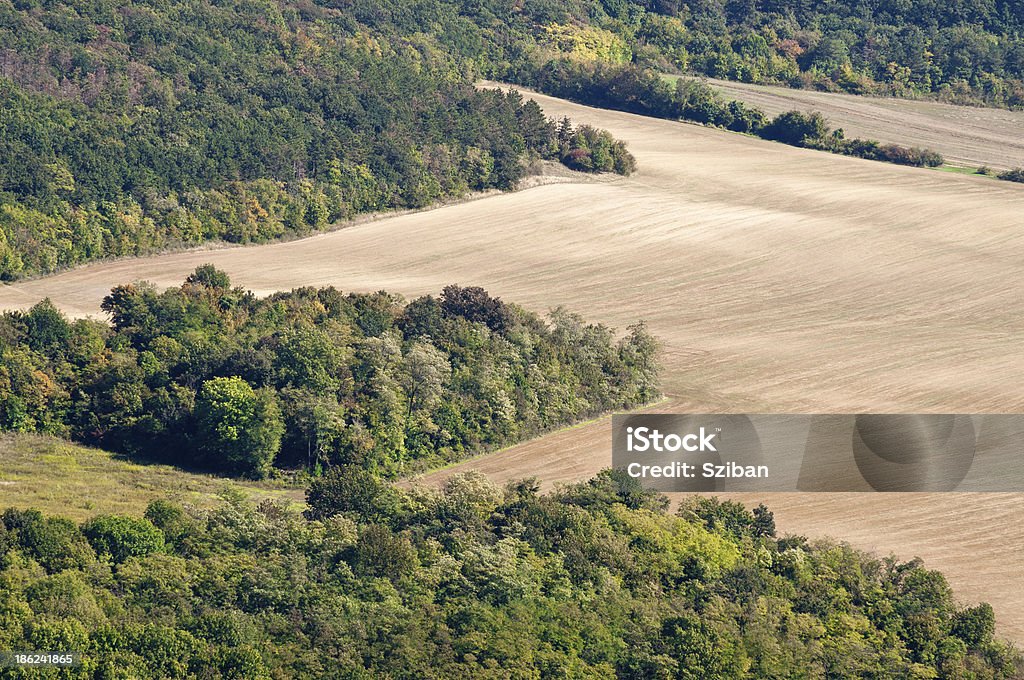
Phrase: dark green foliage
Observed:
(976, 625)
(728, 516)
(795, 128)
(380, 552)
(764, 521)
(1015, 175)
(209, 276)
(474, 305)
(349, 490)
(122, 537)
(54, 542)
(594, 580)
(209, 376)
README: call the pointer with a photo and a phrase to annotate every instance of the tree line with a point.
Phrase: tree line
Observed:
(209, 376)
(594, 580)
(632, 89)
(130, 127)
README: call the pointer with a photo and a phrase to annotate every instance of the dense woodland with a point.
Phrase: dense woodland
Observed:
(208, 376)
(595, 580)
(130, 127)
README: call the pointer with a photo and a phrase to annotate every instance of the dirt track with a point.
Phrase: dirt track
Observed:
(779, 279)
(965, 135)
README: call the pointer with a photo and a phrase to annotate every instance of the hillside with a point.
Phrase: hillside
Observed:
(131, 128)
(594, 581)
(60, 478)
(778, 279)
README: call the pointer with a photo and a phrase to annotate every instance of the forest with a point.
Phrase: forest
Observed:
(128, 128)
(594, 580)
(207, 376)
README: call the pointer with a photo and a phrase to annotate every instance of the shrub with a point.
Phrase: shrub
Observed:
(902, 155)
(1015, 175)
(578, 159)
(796, 128)
(54, 542)
(746, 119)
(122, 537)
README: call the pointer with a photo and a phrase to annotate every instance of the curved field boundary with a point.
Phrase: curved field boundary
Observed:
(779, 280)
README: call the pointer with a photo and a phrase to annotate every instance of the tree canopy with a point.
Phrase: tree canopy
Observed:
(206, 375)
(595, 580)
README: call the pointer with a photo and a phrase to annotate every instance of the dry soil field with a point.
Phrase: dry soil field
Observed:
(964, 135)
(779, 279)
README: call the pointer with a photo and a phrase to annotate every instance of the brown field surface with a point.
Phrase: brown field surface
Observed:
(965, 135)
(779, 280)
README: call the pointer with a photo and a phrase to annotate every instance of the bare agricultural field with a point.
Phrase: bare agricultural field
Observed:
(965, 135)
(779, 280)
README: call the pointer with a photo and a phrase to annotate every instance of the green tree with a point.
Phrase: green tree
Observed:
(238, 427)
(209, 276)
(121, 537)
(348, 489)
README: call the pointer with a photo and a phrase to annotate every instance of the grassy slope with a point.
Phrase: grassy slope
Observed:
(79, 482)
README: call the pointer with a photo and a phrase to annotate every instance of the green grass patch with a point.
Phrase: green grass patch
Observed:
(963, 170)
(78, 482)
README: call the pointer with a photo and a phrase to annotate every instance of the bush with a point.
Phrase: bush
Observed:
(578, 159)
(902, 155)
(1015, 175)
(745, 118)
(796, 128)
(122, 537)
(54, 542)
